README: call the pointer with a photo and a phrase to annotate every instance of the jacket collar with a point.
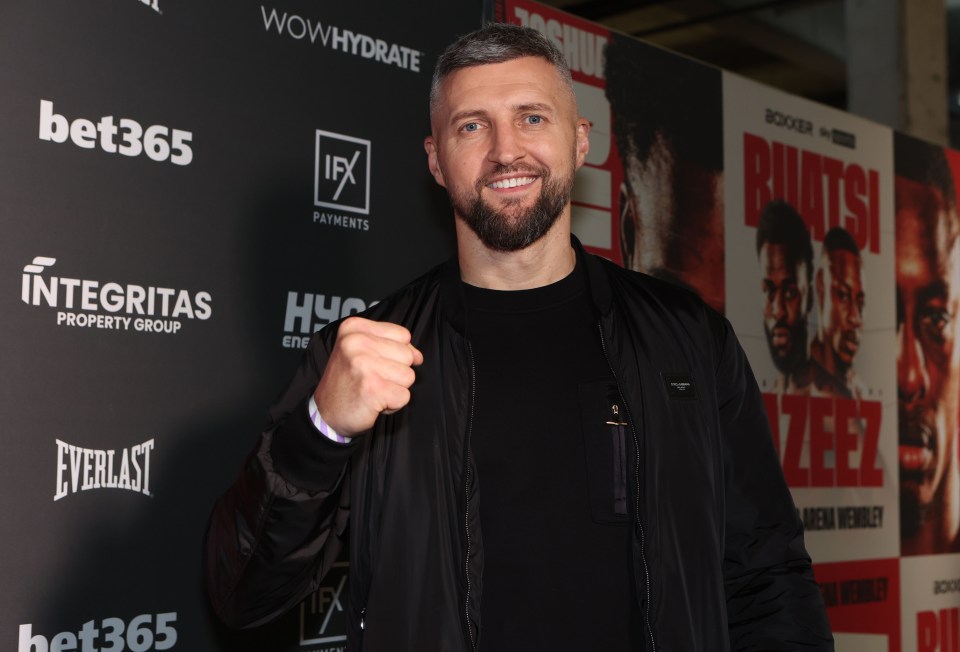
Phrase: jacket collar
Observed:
(454, 304)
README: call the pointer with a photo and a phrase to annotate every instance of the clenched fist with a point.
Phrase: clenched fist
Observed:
(369, 373)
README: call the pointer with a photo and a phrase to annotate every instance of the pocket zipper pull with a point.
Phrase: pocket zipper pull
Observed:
(615, 419)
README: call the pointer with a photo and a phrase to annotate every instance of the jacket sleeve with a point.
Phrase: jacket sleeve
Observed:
(773, 602)
(280, 526)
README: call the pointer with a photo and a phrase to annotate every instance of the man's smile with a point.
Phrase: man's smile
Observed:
(512, 182)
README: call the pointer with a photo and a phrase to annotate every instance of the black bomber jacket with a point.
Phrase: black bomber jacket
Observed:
(719, 560)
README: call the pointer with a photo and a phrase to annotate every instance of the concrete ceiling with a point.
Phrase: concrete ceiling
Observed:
(794, 45)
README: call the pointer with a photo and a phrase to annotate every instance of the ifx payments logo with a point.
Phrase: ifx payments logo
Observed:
(341, 180)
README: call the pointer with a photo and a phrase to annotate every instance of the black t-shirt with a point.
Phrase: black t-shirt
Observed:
(551, 472)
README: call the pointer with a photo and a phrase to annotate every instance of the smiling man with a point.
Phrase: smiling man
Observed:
(529, 447)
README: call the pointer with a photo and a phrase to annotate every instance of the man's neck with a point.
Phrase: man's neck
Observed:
(546, 261)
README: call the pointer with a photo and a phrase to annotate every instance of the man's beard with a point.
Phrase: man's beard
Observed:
(516, 229)
(796, 355)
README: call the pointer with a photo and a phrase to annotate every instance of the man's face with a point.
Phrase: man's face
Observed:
(785, 305)
(506, 143)
(928, 372)
(843, 299)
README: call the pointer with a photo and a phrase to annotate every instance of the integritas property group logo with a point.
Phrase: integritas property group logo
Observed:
(111, 306)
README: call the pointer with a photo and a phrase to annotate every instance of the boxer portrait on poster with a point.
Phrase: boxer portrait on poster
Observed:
(928, 360)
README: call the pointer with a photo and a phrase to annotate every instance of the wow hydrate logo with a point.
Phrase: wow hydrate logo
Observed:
(337, 38)
(83, 469)
(112, 306)
(341, 180)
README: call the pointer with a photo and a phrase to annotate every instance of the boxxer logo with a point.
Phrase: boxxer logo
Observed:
(111, 306)
(342, 174)
(83, 469)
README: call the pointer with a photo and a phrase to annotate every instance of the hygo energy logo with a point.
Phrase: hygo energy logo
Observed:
(308, 313)
(112, 306)
(336, 38)
(323, 615)
(83, 469)
(125, 136)
(342, 179)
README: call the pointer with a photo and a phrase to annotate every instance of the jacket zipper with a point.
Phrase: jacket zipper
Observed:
(466, 495)
(636, 449)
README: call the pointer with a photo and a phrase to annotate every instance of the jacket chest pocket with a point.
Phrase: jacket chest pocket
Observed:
(606, 435)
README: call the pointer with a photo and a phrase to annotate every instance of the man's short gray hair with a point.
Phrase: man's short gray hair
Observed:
(496, 43)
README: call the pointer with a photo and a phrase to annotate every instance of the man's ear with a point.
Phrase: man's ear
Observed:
(628, 227)
(430, 145)
(583, 140)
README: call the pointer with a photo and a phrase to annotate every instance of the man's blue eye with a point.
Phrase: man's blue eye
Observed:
(470, 127)
(534, 119)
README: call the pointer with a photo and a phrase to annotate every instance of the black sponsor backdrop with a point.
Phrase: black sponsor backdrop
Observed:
(237, 222)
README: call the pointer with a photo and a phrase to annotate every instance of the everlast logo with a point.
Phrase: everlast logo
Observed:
(83, 469)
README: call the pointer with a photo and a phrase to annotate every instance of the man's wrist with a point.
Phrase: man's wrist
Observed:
(322, 426)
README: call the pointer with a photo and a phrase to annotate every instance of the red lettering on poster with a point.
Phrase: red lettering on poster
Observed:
(770, 403)
(795, 407)
(939, 632)
(826, 191)
(838, 428)
(863, 597)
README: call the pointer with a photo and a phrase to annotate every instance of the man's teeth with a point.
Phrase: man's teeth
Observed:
(512, 183)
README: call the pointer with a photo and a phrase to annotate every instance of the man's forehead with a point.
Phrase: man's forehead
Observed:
(780, 255)
(532, 77)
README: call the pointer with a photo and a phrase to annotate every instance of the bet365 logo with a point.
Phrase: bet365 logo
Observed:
(158, 142)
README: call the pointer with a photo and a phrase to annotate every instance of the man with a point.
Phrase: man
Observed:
(480, 437)
(786, 267)
(671, 143)
(840, 301)
(928, 361)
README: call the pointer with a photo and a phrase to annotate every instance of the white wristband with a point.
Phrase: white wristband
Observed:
(322, 426)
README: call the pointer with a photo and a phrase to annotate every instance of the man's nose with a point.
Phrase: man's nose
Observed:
(506, 146)
(856, 315)
(912, 378)
(779, 307)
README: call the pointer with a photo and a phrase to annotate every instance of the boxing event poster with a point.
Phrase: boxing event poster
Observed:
(597, 184)
(927, 276)
(809, 232)
(650, 196)
(863, 600)
(930, 603)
